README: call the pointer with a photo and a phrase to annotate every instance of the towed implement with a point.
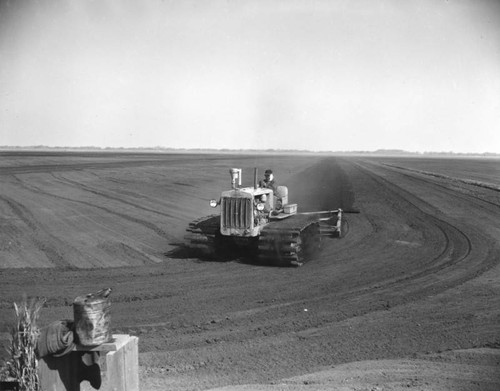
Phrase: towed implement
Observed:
(264, 224)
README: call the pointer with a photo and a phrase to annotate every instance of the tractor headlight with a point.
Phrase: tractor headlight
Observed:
(213, 203)
(260, 207)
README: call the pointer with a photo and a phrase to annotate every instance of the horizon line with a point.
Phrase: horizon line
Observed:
(253, 150)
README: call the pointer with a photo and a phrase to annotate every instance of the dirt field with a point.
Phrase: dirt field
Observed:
(408, 298)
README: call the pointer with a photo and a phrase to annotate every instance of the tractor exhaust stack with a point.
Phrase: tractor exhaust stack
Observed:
(235, 175)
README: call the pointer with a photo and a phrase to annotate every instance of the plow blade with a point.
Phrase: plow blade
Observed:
(330, 222)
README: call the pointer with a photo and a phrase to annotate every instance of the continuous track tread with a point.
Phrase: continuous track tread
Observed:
(290, 242)
(201, 234)
(287, 242)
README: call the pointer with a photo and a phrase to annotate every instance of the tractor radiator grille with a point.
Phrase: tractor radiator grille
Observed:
(237, 213)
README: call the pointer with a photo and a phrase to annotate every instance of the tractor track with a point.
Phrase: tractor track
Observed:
(44, 168)
(465, 196)
(142, 222)
(108, 196)
(457, 248)
(42, 240)
(454, 237)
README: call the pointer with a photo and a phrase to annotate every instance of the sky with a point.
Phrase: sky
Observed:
(353, 75)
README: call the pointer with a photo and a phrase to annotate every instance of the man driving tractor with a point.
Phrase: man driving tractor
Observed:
(268, 182)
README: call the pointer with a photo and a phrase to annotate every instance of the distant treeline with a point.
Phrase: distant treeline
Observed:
(381, 152)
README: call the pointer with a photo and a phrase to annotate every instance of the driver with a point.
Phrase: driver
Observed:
(268, 182)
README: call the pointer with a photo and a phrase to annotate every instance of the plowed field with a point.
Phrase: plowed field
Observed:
(408, 298)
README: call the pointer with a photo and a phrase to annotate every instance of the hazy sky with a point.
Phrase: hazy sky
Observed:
(317, 75)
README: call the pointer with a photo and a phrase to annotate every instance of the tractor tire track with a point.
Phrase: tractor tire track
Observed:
(458, 244)
(459, 194)
(40, 237)
(108, 196)
(44, 168)
(157, 230)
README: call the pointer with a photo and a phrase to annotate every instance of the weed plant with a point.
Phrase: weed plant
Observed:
(22, 365)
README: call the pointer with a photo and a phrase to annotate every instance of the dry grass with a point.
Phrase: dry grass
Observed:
(22, 365)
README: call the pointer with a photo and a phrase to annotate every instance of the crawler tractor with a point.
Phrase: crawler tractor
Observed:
(263, 223)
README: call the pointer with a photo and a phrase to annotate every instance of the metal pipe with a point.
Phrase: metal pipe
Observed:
(255, 178)
(322, 212)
